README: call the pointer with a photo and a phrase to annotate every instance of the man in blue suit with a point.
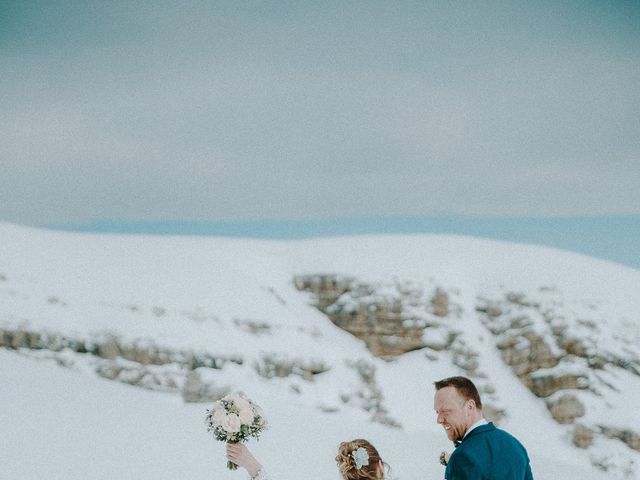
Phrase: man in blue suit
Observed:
(482, 450)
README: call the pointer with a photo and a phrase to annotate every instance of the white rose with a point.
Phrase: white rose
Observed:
(242, 404)
(232, 397)
(231, 423)
(218, 416)
(246, 415)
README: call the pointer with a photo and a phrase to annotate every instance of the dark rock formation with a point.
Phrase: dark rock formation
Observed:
(384, 322)
(629, 437)
(566, 408)
(582, 436)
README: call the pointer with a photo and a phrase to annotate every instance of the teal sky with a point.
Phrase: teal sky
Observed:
(250, 110)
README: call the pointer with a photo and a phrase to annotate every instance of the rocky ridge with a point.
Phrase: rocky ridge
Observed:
(553, 350)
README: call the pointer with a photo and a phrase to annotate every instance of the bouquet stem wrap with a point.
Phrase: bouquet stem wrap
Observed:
(230, 464)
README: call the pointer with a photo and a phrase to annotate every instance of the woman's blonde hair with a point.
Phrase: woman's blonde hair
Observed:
(347, 463)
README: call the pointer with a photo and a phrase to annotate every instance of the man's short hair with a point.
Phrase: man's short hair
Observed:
(463, 386)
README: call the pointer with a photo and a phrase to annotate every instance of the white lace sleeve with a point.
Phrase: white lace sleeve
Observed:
(261, 475)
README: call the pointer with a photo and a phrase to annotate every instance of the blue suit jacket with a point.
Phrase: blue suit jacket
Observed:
(489, 453)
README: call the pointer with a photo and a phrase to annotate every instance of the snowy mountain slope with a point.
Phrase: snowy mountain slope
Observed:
(75, 426)
(199, 316)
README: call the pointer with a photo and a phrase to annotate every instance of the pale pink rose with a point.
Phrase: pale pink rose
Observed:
(231, 423)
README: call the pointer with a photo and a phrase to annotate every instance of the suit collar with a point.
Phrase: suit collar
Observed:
(487, 427)
(479, 423)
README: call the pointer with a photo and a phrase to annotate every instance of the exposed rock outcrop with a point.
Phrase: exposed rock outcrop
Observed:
(370, 396)
(384, 316)
(566, 408)
(141, 363)
(629, 437)
(582, 436)
(112, 347)
(546, 384)
(526, 351)
(271, 365)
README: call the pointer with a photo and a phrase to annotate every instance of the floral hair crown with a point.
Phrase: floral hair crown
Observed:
(361, 457)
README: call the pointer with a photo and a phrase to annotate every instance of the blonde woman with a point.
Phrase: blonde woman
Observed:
(356, 460)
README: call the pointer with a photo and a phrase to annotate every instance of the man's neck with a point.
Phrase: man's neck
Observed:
(480, 421)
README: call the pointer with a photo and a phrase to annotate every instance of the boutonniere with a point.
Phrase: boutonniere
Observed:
(444, 458)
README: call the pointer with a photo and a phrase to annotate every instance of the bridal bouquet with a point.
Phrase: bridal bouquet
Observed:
(235, 418)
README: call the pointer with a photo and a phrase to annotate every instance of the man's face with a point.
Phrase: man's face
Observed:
(453, 412)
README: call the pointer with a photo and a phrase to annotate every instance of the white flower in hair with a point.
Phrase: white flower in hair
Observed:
(361, 457)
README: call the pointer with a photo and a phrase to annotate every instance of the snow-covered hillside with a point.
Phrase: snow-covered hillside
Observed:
(112, 345)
